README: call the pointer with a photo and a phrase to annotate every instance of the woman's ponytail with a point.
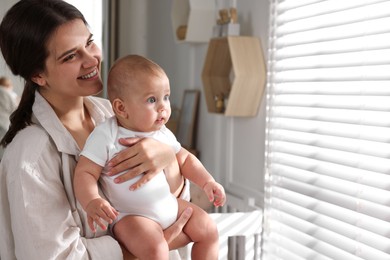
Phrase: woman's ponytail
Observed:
(21, 117)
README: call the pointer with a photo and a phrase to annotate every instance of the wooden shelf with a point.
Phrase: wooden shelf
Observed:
(196, 16)
(234, 67)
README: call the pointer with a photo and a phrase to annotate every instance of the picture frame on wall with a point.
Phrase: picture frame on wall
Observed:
(188, 119)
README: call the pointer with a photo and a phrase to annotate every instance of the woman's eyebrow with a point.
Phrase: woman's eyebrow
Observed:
(66, 53)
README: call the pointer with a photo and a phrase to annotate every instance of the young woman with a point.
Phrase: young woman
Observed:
(47, 42)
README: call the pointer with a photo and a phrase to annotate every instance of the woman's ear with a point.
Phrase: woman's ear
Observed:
(38, 79)
(119, 108)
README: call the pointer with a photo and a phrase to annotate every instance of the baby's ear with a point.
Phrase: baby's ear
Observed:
(119, 108)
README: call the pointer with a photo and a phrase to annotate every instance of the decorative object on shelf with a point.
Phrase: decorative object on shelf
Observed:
(220, 103)
(193, 20)
(227, 23)
(187, 120)
(223, 17)
(234, 68)
(181, 32)
(233, 15)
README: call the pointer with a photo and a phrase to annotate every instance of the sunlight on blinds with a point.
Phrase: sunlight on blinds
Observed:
(327, 193)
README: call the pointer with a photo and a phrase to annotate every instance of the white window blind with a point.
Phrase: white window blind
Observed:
(327, 193)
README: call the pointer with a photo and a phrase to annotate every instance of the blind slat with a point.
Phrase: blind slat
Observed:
(360, 161)
(348, 17)
(372, 58)
(361, 132)
(336, 45)
(323, 240)
(299, 165)
(366, 88)
(291, 10)
(335, 197)
(377, 103)
(377, 149)
(347, 116)
(307, 207)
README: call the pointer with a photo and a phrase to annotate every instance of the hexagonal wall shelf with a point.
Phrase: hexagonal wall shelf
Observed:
(234, 75)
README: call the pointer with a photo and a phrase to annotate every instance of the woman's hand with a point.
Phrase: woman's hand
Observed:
(144, 155)
(170, 233)
(176, 228)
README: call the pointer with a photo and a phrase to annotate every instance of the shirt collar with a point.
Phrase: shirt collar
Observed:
(47, 118)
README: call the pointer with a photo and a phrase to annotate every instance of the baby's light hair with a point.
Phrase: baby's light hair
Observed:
(124, 73)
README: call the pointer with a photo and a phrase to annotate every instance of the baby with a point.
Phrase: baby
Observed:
(139, 92)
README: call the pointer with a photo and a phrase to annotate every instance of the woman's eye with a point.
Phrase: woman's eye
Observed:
(69, 57)
(151, 100)
(90, 41)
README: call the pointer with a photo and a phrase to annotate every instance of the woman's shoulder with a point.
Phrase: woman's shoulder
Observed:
(99, 108)
(100, 102)
(29, 144)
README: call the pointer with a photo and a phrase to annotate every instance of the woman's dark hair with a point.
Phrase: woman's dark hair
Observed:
(24, 33)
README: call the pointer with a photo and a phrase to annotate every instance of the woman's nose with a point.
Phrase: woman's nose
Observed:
(90, 60)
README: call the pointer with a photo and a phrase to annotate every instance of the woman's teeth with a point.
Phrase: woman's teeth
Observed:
(90, 75)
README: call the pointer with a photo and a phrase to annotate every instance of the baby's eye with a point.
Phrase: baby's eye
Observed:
(166, 98)
(151, 100)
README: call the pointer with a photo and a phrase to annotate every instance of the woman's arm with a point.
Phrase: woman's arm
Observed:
(44, 224)
(144, 155)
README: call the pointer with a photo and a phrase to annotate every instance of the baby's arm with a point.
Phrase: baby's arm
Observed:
(85, 184)
(193, 169)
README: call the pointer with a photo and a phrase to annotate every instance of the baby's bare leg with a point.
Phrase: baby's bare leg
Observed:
(202, 230)
(143, 237)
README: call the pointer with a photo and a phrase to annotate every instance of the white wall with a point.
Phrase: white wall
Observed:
(231, 148)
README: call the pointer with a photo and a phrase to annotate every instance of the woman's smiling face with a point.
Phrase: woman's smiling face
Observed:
(73, 65)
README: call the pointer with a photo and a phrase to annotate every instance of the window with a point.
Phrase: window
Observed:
(327, 193)
(93, 13)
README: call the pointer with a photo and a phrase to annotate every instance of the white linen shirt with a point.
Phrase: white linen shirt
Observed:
(40, 218)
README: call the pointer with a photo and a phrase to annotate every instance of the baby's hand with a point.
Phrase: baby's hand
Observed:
(215, 192)
(99, 210)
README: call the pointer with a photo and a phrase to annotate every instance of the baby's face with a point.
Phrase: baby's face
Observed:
(148, 104)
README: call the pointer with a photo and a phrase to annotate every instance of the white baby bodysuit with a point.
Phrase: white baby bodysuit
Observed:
(154, 199)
